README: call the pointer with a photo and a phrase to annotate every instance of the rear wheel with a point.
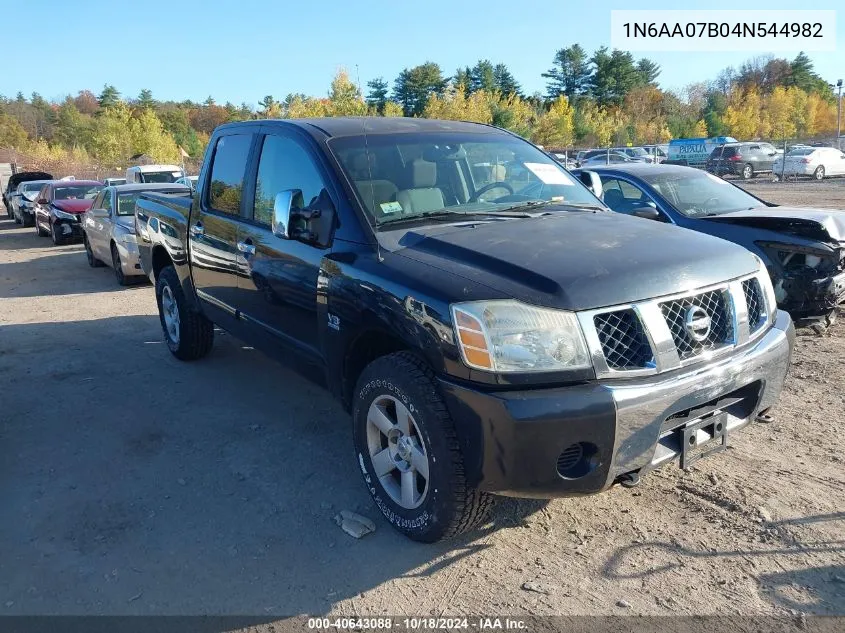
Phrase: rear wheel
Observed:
(819, 173)
(93, 262)
(188, 334)
(118, 267)
(747, 171)
(408, 451)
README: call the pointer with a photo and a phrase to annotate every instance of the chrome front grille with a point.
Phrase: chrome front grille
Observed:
(623, 340)
(657, 335)
(720, 332)
(754, 300)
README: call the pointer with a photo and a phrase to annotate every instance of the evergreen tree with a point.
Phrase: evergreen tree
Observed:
(377, 97)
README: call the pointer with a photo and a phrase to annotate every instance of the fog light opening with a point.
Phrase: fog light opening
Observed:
(577, 460)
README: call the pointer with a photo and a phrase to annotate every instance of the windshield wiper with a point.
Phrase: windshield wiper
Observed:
(442, 214)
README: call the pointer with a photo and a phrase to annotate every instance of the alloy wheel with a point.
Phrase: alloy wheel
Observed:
(397, 452)
(170, 313)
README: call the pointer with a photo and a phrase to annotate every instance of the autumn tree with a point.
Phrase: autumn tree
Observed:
(148, 136)
(742, 114)
(12, 133)
(345, 97)
(555, 128)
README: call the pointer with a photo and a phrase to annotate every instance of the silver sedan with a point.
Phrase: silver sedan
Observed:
(109, 228)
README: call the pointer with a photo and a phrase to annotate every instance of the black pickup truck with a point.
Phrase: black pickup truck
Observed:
(489, 324)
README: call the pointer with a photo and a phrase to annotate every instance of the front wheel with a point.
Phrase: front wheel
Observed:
(188, 334)
(118, 267)
(819, 173)
(58, 240)
(408, 451)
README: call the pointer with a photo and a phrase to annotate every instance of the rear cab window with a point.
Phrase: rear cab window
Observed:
(228, 167)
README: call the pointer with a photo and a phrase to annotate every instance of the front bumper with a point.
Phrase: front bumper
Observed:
(67, 229)
(512, 440)
(130, 259)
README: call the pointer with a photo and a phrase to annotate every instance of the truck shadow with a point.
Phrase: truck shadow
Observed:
(808, 589)
(142, 485)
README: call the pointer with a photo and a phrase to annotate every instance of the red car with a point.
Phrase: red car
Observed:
(60, 206)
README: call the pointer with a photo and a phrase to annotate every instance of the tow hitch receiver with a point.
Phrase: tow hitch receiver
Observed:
(703, 438)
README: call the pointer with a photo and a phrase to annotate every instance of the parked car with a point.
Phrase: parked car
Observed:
(803, 249)
(12, 183)
(153, 173)
(515, 337)
(188, 181)
(638, 154)
(603, 157)
(742, 159)
(23, 208)
(112, 182)
(815, 162)
(109, 229)
(60, 205)
(658, 152)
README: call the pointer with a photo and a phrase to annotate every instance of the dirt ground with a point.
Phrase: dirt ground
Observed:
(131, 483)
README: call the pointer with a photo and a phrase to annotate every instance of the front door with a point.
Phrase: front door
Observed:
(279, 288)
(213, 230)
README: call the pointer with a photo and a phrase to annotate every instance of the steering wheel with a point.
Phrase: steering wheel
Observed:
(488, 187)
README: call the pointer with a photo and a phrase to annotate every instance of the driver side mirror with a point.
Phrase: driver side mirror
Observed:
(282, 206)
(649, 213)
(591, 180)
(99, 213)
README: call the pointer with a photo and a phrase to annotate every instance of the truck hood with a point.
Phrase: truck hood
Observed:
(575, 260)
(73, 206)
(826, 225)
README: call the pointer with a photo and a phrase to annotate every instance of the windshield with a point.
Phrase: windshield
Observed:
(126, 203)
(79, 192)
(31, 187)
(699, 194)
(801, 152)
(404, 175)
(159, 176)
(637, 151)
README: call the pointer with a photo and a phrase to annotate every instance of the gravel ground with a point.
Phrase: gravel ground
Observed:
(135, 484)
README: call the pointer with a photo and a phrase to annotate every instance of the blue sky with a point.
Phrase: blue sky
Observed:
(241, 51)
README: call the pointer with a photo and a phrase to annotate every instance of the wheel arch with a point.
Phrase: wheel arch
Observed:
(369, 345)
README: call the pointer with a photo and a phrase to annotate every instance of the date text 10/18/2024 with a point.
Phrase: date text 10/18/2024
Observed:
(416, 624)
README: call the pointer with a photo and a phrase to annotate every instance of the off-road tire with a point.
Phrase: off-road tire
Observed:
(451, 506)
(196, 332)
(93, 262)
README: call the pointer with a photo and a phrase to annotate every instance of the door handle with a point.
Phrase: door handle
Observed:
(247, 248)
(197, 230)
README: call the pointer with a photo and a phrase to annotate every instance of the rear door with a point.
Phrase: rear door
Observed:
(278, 291)
(213, 229)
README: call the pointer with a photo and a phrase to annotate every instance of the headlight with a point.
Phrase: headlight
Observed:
(128, 238)
(509, 336)
(63, 215)
(768, 289)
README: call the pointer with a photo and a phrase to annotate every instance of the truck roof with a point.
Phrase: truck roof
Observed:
(354, 126)
(149, 186)
(146, 168)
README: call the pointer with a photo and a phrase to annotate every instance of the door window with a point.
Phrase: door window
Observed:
(228, 166)
(624, 197)
(284, 164)
(106, 204)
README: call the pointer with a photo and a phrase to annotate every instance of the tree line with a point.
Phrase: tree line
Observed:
(599, 99)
